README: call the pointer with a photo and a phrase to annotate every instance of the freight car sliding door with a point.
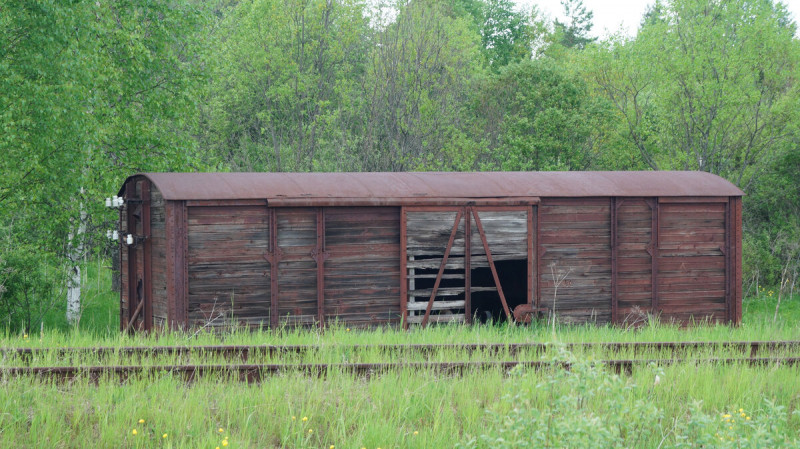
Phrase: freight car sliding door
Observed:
(450, 278)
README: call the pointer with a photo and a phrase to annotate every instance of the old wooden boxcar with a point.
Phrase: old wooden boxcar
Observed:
(274, 249)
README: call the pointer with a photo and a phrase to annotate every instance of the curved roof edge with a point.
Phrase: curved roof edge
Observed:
(368, 185)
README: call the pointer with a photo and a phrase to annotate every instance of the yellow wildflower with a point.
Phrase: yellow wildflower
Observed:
(416, 433)
(730, 427)
(742, 415)
(726, 416)
(224, 443)
(332, 447)
(348, 329)
(310, 431)
(293, 418)
(141, 421)
(134, 432)
(221, 430)
(741, 410)
(164, 436)
(748, 418)
(305, 418)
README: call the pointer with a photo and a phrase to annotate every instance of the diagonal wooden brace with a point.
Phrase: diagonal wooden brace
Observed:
(491, 265)
(441, 267)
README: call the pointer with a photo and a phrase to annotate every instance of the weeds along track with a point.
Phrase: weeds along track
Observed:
(254, 363)
(259, 353)
(253, 373)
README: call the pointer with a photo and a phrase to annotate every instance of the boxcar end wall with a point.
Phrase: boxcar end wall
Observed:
(373, 249)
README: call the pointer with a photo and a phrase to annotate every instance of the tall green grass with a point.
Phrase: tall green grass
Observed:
(584, 407)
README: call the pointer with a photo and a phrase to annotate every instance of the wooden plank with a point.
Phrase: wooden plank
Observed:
(439, 305)
(692, 199)
(226, 203)
(456, 225)
(446, 318)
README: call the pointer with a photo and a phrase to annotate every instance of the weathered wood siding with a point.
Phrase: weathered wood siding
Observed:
(575, 240)
(124, 281)
(158, 257)
(297, 269)
(691, 261)
(506, 233)
(228, 274)
(362, 265)
(428, 231)
(634, 259)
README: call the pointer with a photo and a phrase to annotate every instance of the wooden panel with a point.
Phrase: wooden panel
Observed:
(124, 300)
(691, 261)
(575, 249)
(176, 259)
(297, 270)
(228, 274)
(506, 234)
(634, 262)
(158, 257)
(362, 265)
(428, 232)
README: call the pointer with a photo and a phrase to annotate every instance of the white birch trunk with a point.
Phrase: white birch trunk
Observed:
(74, 254)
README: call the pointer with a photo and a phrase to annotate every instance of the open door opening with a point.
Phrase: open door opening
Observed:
(486, 305)
(467, 263)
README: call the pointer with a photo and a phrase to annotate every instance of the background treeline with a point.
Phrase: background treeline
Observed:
(93, 91)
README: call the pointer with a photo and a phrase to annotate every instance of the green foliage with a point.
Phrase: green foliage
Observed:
(285, 75)
(536, 116)
(574, 33)
(705, 86)
(90, 92)
(29, 285)
(581, 407)
(589, 407)
(506, 34)
(772, 224)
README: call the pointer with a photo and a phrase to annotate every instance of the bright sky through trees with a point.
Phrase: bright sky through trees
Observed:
(609, 15)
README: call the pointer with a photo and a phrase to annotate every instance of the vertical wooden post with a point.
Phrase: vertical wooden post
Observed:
(539, 253)
(130, 193)
(614, 297)
(403, 274)
(736, 251)
(509, 316)
(274, 260)
(467, 264)
(319, 257)
(530, 294)
(654, 217)
(147, 249)
(441, 267)
(729, 308)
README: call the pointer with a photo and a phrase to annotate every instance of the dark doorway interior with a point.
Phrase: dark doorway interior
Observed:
(486, 305)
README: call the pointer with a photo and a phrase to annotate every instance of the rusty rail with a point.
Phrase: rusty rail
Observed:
(244, 352)
(257, 372)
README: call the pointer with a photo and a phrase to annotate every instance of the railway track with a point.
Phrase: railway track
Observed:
(253, 373)
(245, 352)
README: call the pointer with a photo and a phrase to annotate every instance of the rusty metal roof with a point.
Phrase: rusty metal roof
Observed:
(369, 186)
